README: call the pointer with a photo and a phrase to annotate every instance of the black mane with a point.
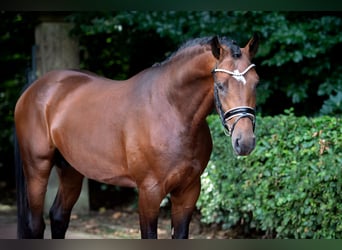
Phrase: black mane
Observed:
(235, 49)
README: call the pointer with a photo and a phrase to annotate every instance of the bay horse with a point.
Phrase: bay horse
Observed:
(147, 132)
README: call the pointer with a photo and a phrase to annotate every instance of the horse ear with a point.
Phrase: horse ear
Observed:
(215, 47)
(253, 45)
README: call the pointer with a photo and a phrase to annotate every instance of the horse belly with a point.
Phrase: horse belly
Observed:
(108, 173)
(99, 166)
(91, 144)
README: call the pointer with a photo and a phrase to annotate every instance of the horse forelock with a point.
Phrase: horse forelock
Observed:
(233, 46)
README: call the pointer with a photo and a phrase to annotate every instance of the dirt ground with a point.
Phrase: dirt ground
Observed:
(122, 222)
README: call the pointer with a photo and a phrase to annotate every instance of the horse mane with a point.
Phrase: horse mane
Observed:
(235, 49)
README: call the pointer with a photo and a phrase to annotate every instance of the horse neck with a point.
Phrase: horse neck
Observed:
(190, 86)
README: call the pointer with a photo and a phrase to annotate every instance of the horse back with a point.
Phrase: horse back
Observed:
(70, 111)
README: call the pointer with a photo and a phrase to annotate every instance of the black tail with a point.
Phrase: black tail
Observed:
(22, 202)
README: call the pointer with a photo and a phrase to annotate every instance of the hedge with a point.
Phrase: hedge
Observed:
(288, 187)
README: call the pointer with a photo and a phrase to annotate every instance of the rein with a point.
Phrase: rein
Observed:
(240, 111)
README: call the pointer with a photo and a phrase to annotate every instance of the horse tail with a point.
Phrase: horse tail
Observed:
(21, 191)
(22, 201)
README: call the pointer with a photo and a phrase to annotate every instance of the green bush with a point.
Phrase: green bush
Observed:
(290, 185)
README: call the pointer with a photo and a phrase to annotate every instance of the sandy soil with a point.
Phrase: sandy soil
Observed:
(122, 223)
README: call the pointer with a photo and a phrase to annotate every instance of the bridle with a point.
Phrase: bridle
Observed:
(240, 111)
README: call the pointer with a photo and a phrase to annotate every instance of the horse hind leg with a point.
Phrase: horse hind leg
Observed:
(30, 210)
(70, 185)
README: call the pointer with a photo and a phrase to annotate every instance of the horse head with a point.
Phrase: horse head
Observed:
(235, 81)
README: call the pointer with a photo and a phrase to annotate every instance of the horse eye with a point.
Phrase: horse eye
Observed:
(220, 86)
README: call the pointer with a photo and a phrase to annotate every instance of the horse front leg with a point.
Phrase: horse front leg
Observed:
(183, 204)
(149, 204)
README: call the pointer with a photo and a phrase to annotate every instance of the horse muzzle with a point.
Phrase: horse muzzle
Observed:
(243, 143)
(242, 129)
(239, 123)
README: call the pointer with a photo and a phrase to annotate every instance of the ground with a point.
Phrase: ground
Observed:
(121, 222)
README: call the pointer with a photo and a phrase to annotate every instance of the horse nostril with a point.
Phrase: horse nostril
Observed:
(237, 145)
